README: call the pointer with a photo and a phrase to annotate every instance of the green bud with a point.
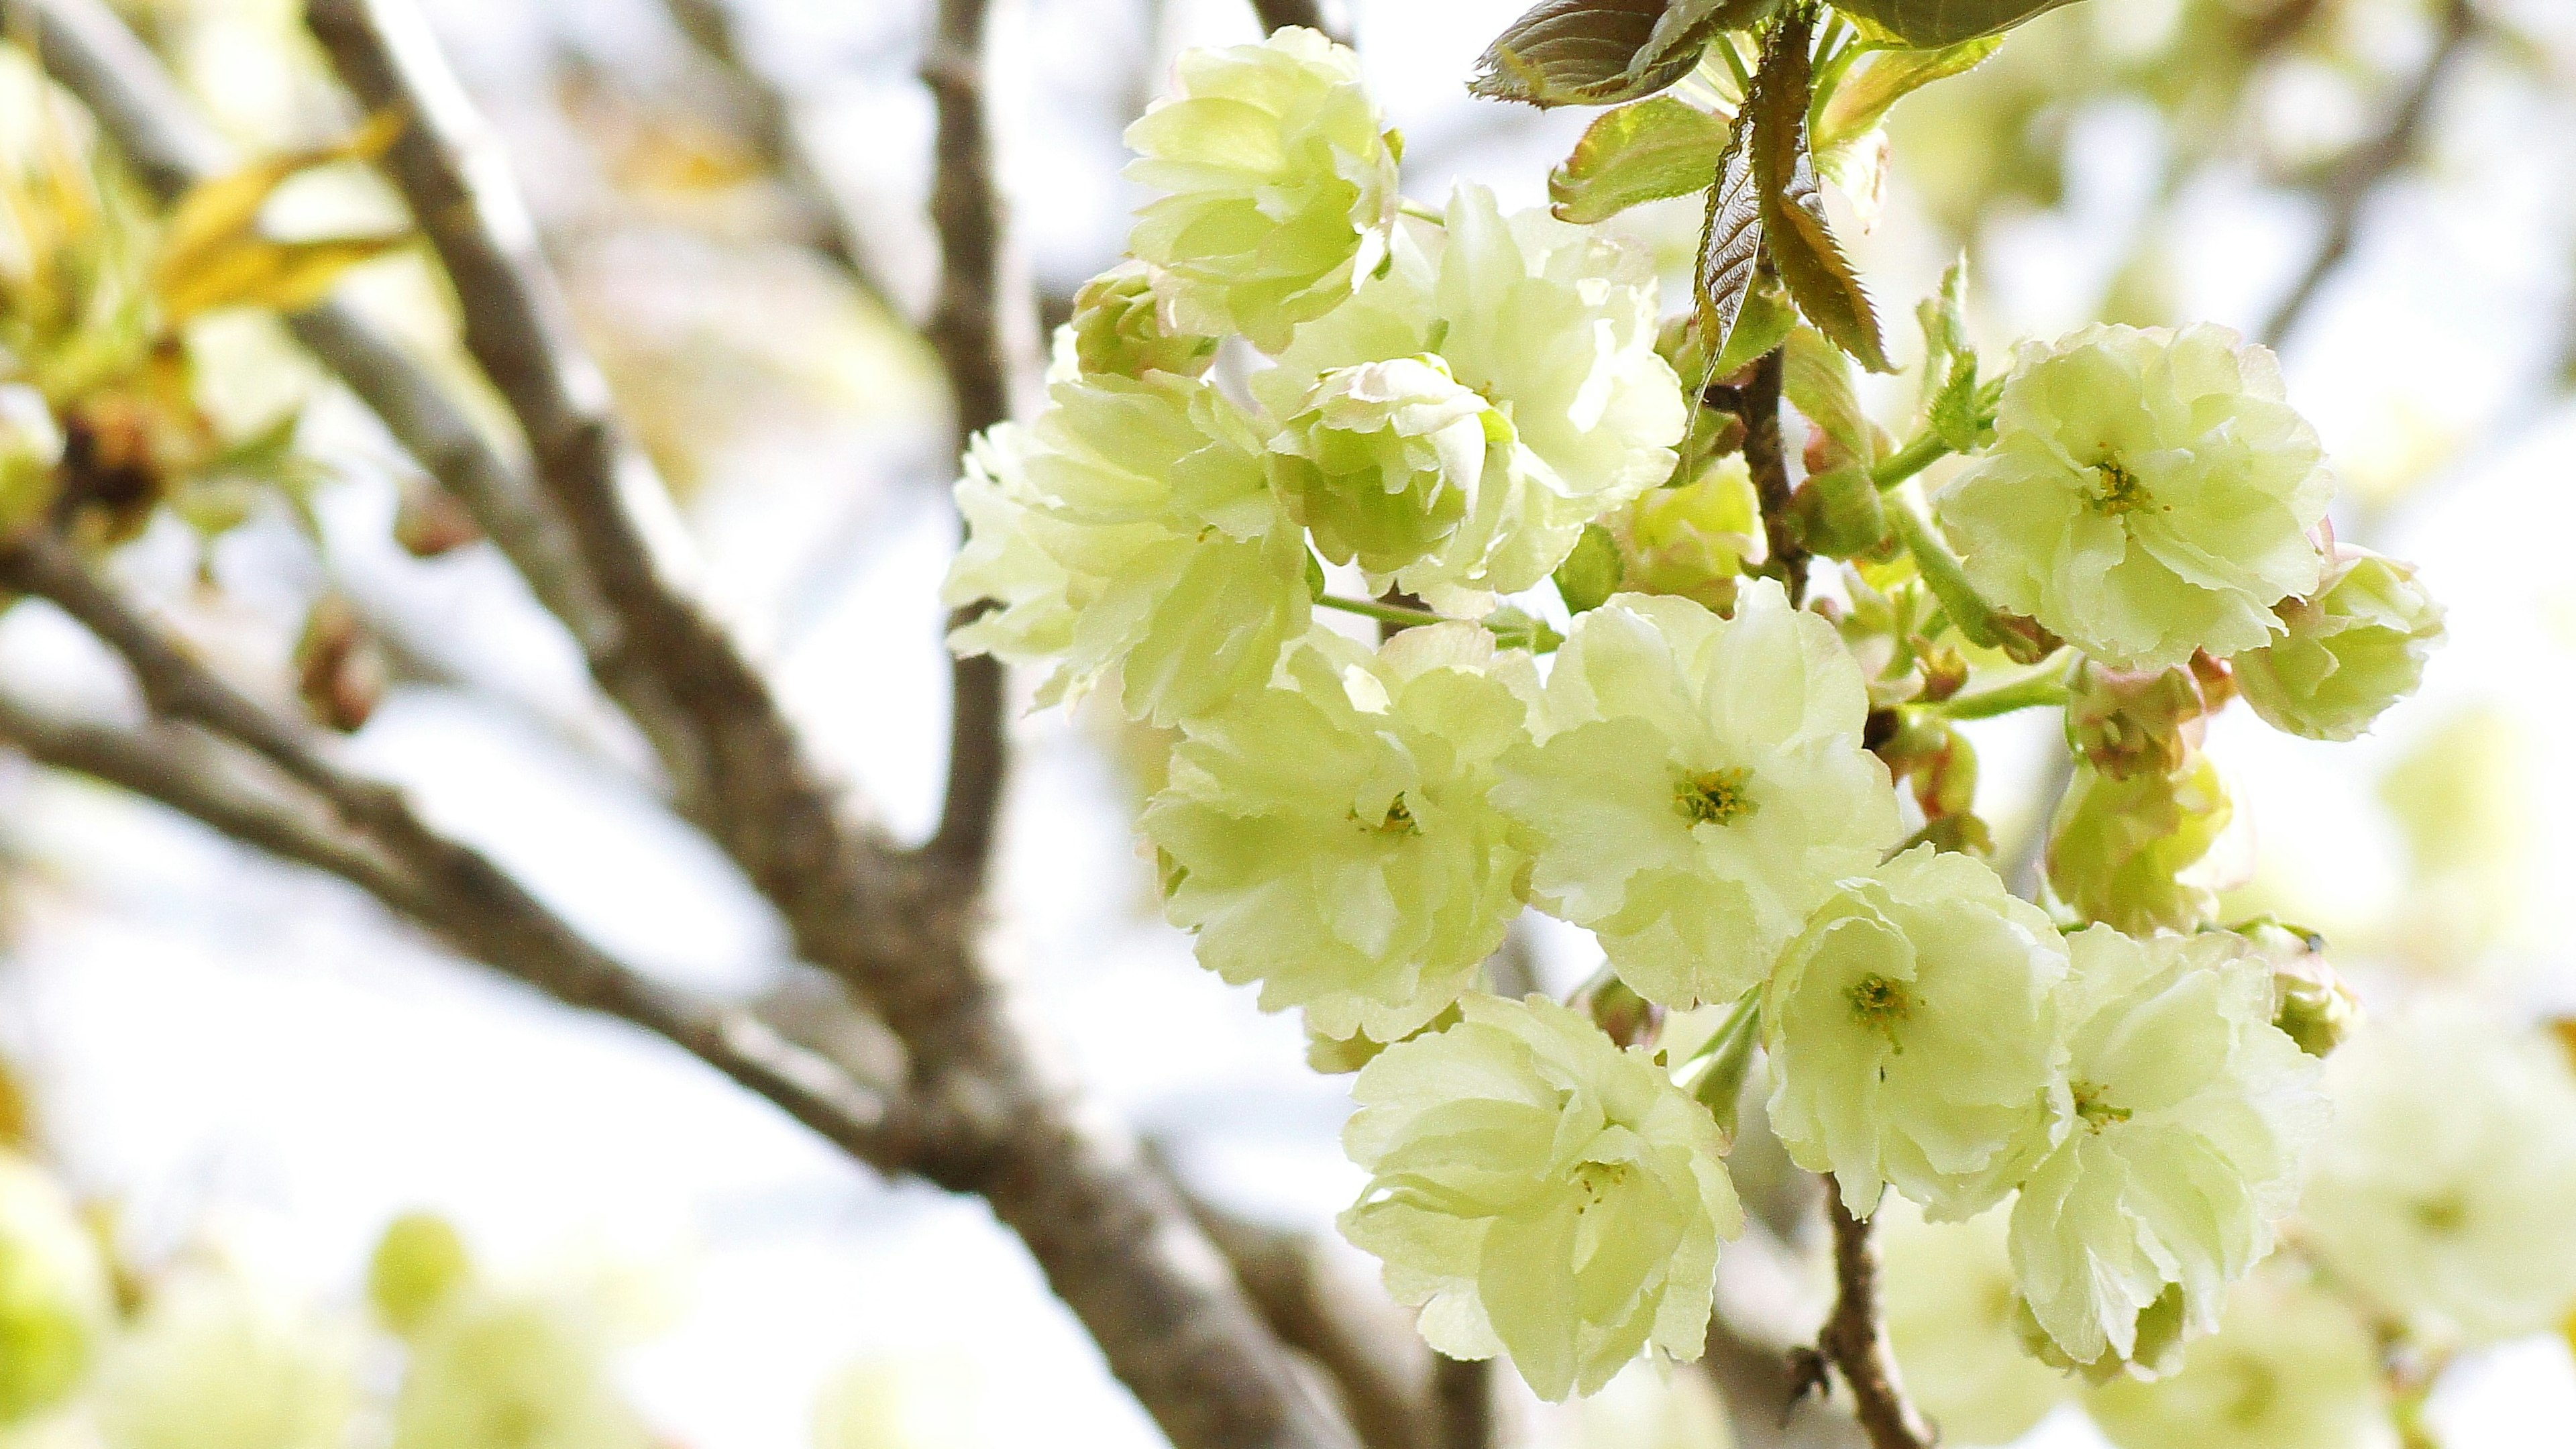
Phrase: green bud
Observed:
(1691, 541)
(1592, 573)
(419, 1264)
(2143, 854)
(1838, 513)
(1383, 460)
(1118, 329)
(2354, 648)
(2312, 1005)
(2126, 723)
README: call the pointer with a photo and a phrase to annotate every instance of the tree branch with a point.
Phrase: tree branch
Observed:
(1756, 403)
(2369, 166)
(1854, 1340)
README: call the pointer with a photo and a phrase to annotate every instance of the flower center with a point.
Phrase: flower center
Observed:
(2442, 1215)
(1880, 1004)
(2120, 490)
(2097, 1114)
(1716, 797)
(1596, 1180)
(1399, 820)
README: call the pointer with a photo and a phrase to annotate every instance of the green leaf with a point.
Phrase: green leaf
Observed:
(1719, 1086)
(1601, 52)
(1592, 573)
(1862, 101)
(1818, 380)
(1730, 246)
(1763, 324)
(1801, 243)
(1654, 149)
(1930, 23)
(1515, 628)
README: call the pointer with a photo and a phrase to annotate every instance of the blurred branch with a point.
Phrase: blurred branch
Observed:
(1854, 1340)
(171, 148)
(715, 28)
(1312, 14)
(967, 329)
(364, 833)
(2369, 166)
(1462, 1403)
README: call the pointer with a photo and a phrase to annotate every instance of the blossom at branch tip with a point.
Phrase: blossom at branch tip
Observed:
(1132, 524)
(1553, 326)
(1698, 787)
(1279, 184)
(2193, 1113)
(1330, 836)
(1911, 1030)
(2149, 494)
(2356, 648)
(1537, 1190)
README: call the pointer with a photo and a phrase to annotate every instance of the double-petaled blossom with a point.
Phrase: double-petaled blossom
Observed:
(2356, 648)
(2149, 494)
(1699, 787)
(1538, 1190)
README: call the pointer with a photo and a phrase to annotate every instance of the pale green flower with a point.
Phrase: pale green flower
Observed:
(1699, 787)
(2355, 649)
(1330, 837)
(53, 1293)
(1117, 328)
(419, 1263)
(1131, 525)
(217, 1363)
(1280, 185)
(2148, 852)
(1383, 462)
(1912, 1036)
(1539, 1191)
(1552, 325)
(2446, 1189)
(2291, 1367)
(2149, 493)
(1692, 540)
(2193, 1112)
(1953, 1319)
(512, 1370)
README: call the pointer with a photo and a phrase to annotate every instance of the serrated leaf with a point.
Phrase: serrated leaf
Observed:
(1926, 24)
(1602, 52)
(1817, 378)
(1592, 573)
(1819, 276)
(1730, 244)
(1657, 148)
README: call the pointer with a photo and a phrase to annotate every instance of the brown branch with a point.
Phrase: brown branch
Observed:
(1276, 14)
(2369, 166)
(465, 901)
(1756, 403)
(1462, 1404)
(968, 331)
(1855, 1342)
(714, 27)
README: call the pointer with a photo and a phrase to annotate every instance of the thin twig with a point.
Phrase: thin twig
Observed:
(1855, 1342)
(1462, 1403)
(463, 899)
(2370, 165)
(969, 332)
(715, 28)
(1756, 402)
(1276, 14)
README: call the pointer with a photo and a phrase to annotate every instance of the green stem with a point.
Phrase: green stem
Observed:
(1971, 615)
(1383, 613)
(2042, 686)
(1916, 456)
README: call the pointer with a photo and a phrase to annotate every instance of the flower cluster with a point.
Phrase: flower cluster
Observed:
(1676, 748)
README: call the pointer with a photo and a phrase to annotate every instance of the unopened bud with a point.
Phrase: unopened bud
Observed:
(2311, 1002)
(339, 670)
(419, 1264)
(1838, 514)
(1118, 329)
(2128, 723)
